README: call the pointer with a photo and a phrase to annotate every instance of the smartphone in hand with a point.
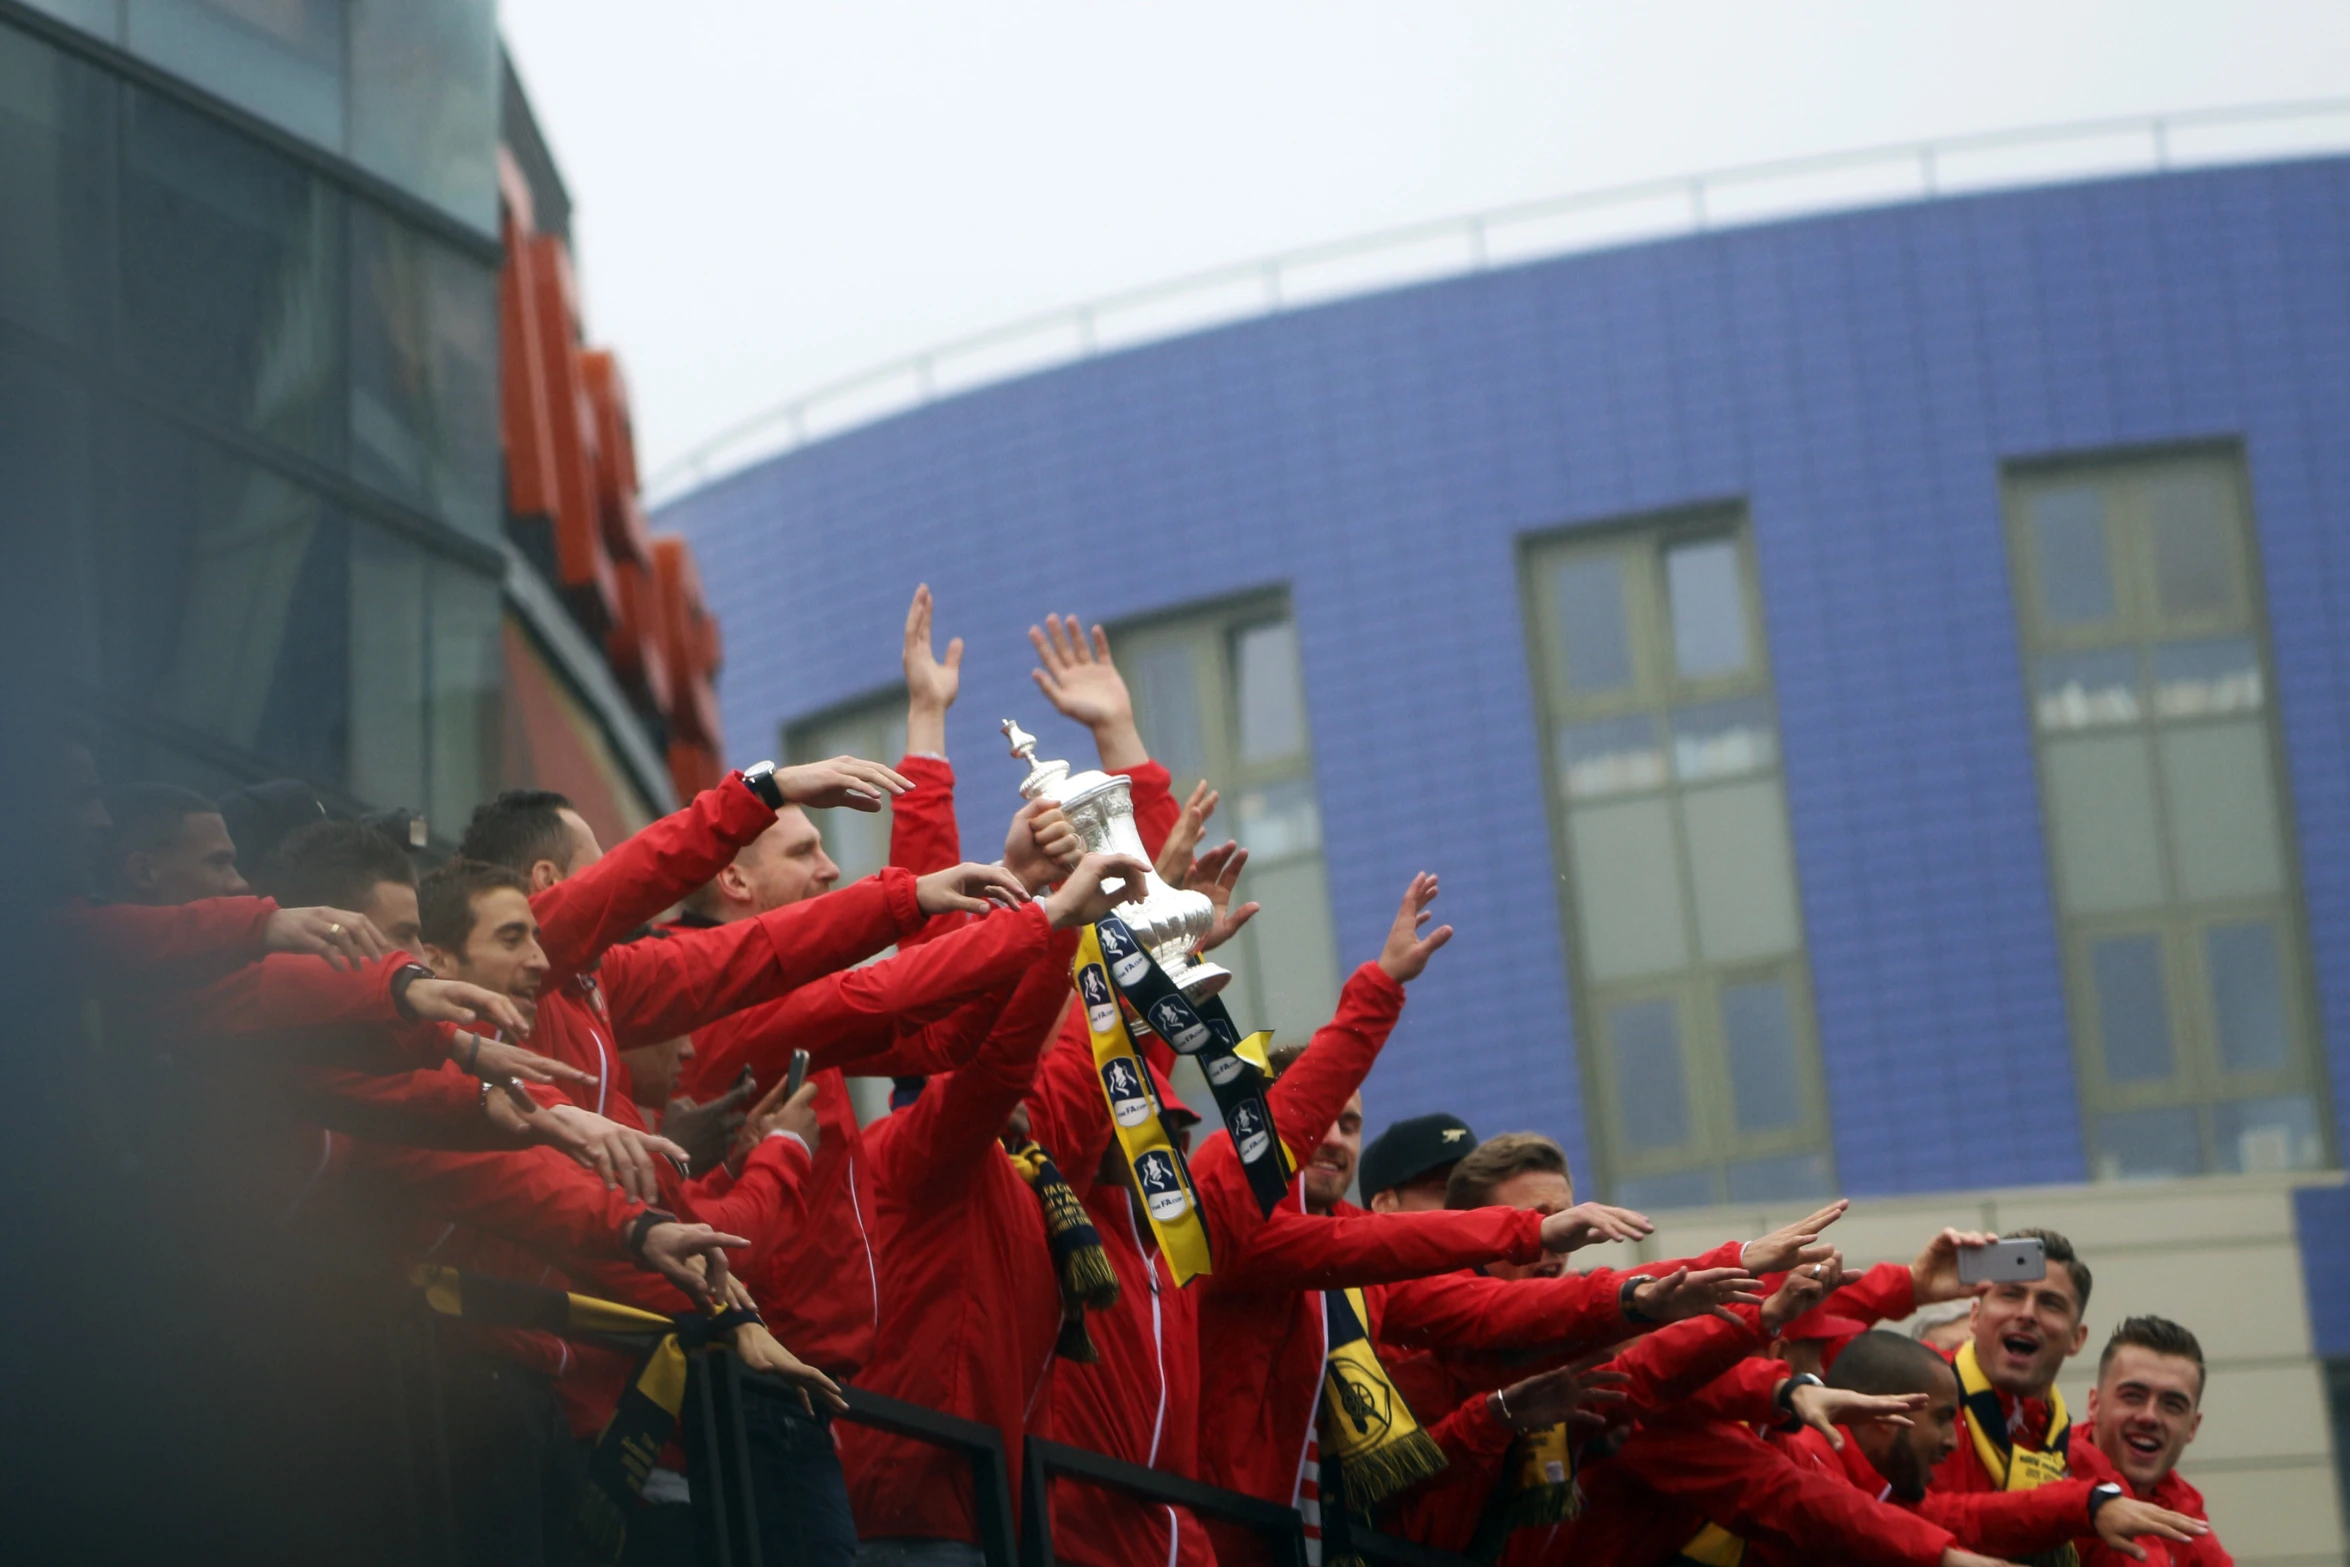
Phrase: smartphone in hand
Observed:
(2003, 1261)
(797, 1075)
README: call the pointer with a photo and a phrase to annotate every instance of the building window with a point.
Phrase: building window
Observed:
(874, 729)
(1220, 695)
(2145, 654)
(1678, 889)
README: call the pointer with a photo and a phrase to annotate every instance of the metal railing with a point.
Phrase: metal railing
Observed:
(1508, 236)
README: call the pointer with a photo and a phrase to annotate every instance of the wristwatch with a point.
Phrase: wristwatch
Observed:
(2099, 1495)
(759, 778)
(1625, 1303)
(402, 977)
(1785, 1398)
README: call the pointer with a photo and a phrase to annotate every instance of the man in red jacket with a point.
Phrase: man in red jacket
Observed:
(168, 845)
(2145, 1409)
(2015, 1427)
(1898, 1461)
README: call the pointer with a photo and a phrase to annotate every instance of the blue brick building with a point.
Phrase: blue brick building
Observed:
(1886, 425)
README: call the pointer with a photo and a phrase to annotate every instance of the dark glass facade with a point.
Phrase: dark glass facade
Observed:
(249, 372)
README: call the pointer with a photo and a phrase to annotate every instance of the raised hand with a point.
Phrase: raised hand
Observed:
(1795, 1243)
(1213, 874)
(1099, 884)
(1803, 1288)
(495, 1059)
(1706, 1292)
(1552, 1397)
(931, 682)
(1174, 862)
(1042, 846)
(346, 940)
(692, 1257)
(775, 1113)
(706, 1132)
(622, 1155)
(1078, 678)
(838, 781)
(1407, 952)
(970, 887)
(1934, 1276)
(1571, 1229)
(2122, 1522)
(1826, 1408)
(454, 1001)
(762, 1352)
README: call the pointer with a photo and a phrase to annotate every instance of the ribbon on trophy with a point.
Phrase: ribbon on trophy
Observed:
(1168, 1198)
(1204, 1030)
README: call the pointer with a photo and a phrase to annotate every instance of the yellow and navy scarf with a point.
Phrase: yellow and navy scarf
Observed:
(1537, 1491)
(641, 1425)
(2013, 1468)
(1366, 1425)
(1088, 1281)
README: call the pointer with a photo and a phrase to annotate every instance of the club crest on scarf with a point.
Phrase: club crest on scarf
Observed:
(1101, 1008)
(1249, 1132)
(1128, 1103)
(1162, 1187)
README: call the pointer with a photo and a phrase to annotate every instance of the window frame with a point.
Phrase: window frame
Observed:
(1696, 987)
(2125, 480)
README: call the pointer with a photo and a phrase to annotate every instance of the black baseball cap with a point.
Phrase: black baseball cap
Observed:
(1412, 1148)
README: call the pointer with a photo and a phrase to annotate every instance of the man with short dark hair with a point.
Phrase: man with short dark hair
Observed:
(1405, 1167)
(349, 865)
(2145, 1409)
(2015, 1427)
(169, 845)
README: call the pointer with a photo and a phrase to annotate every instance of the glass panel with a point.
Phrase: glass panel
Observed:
(388, 743)
(424, 101)
(1291, 959)
(57, 170)
(1653, 1105)
(46, 454)
(1659, 1193)
(1278, 821)
(1627, 888)
(2203, 679)
(1610, 756)
(1593, 625)
(2194, 554)
(279, 59)
(1742, 870)
(424, 374)
(1709, 610)
(229, 277)
(467, 686)
(1271, 696)
(2086, 690)
(2101, 792)
(2068, 540)
(1165, 677)
(2133, 1014)
(2247, 996)
(1723, 739)
(1759, 1034)
(1777, 1179)
(2148, 1145)
(2223, 815)
(103, 17)
(2260, 1136)
(231, 597)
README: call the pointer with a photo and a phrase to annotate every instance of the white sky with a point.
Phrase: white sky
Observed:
(773, 195)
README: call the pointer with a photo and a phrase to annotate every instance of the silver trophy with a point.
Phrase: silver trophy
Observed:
(1169, 923)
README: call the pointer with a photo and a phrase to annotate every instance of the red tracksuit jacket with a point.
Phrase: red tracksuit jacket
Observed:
(1997, 1523)
(2173, 1491)
(971, 1305)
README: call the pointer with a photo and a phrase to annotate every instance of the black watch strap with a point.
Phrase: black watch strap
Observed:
(1785, 1398)
(402, 977)
(641, 1226)
(1630, 1307)
(2099, 1495)
(759, 778)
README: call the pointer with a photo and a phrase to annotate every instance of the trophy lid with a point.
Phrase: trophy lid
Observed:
(1053, 780)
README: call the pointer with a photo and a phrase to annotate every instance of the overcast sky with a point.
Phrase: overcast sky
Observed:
(772, 195)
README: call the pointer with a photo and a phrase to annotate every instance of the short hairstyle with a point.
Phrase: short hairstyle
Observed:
(1879, 1363)
(2059, 1249)
(147, 817)
(1283, 1056)
(444, 899)
(338, 864)
(2163, 1337)
(1494, 1161)
(518, 829)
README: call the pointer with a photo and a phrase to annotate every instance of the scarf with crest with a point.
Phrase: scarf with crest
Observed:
(1088, 1281)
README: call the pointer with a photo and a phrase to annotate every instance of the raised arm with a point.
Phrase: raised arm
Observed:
(956, 1119)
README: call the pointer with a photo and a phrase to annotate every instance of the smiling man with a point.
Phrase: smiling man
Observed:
(2015, 1428)
(2145, 1409)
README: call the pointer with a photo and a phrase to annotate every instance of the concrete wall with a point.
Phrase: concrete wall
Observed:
(2221, 1254)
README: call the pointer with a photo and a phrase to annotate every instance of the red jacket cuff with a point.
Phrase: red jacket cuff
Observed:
(897, 886)
(1371, 987)
(920, 770)
(742, 815)
(1525, 1237)
(1480, 1430)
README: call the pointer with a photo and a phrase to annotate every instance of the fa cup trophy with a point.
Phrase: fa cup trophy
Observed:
(1168, 923)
